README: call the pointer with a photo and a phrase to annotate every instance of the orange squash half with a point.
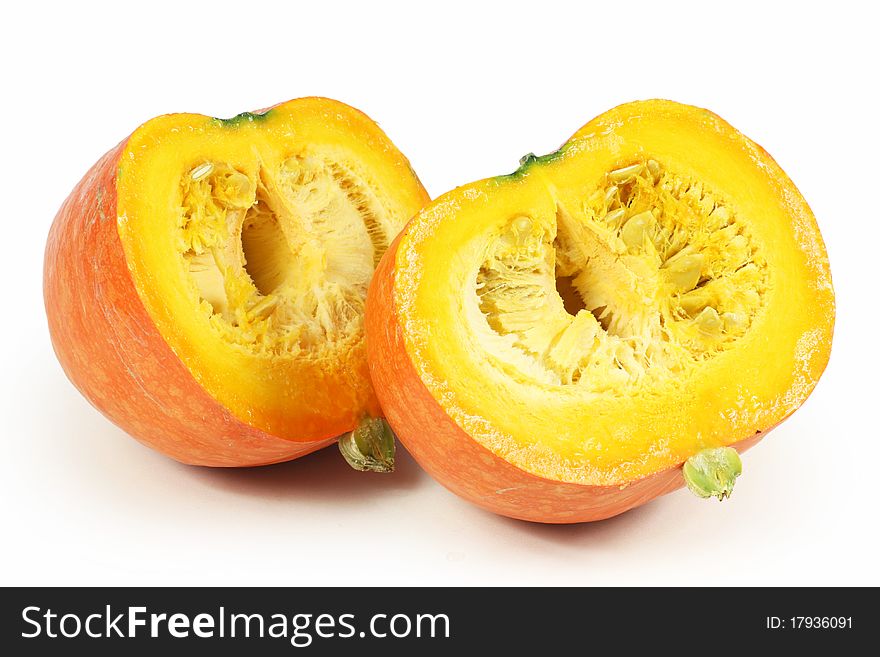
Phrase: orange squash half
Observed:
(556, 344)
(205, 281)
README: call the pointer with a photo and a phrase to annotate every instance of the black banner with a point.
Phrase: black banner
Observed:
(330, 621)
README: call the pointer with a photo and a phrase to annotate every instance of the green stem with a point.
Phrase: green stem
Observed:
(370, 447)
(712, 472)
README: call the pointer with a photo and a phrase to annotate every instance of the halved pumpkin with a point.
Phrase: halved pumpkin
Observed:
(555, 344)
(205, 281)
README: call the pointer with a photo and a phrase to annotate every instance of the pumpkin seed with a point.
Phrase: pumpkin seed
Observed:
(263, 308)
(615, 216)
(734, 322)
(625, 174)
(523, 224)
(708, 322)
(684, 272)
(611, 194)
(201, 171)
(635, 230)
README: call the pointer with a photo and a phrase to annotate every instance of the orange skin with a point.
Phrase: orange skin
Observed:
(459, 462)
(115, 356)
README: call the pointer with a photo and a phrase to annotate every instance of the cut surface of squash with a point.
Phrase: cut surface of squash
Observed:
(655, 288)
(248, 245)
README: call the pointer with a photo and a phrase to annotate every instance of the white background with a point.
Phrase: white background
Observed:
(464, 90)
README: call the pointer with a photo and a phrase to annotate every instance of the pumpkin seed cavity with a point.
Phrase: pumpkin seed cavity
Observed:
(281, 263)
(654, 273)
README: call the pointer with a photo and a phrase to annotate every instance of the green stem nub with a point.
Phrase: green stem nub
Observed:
(712, 472)
(528, 158)
(370, 447)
